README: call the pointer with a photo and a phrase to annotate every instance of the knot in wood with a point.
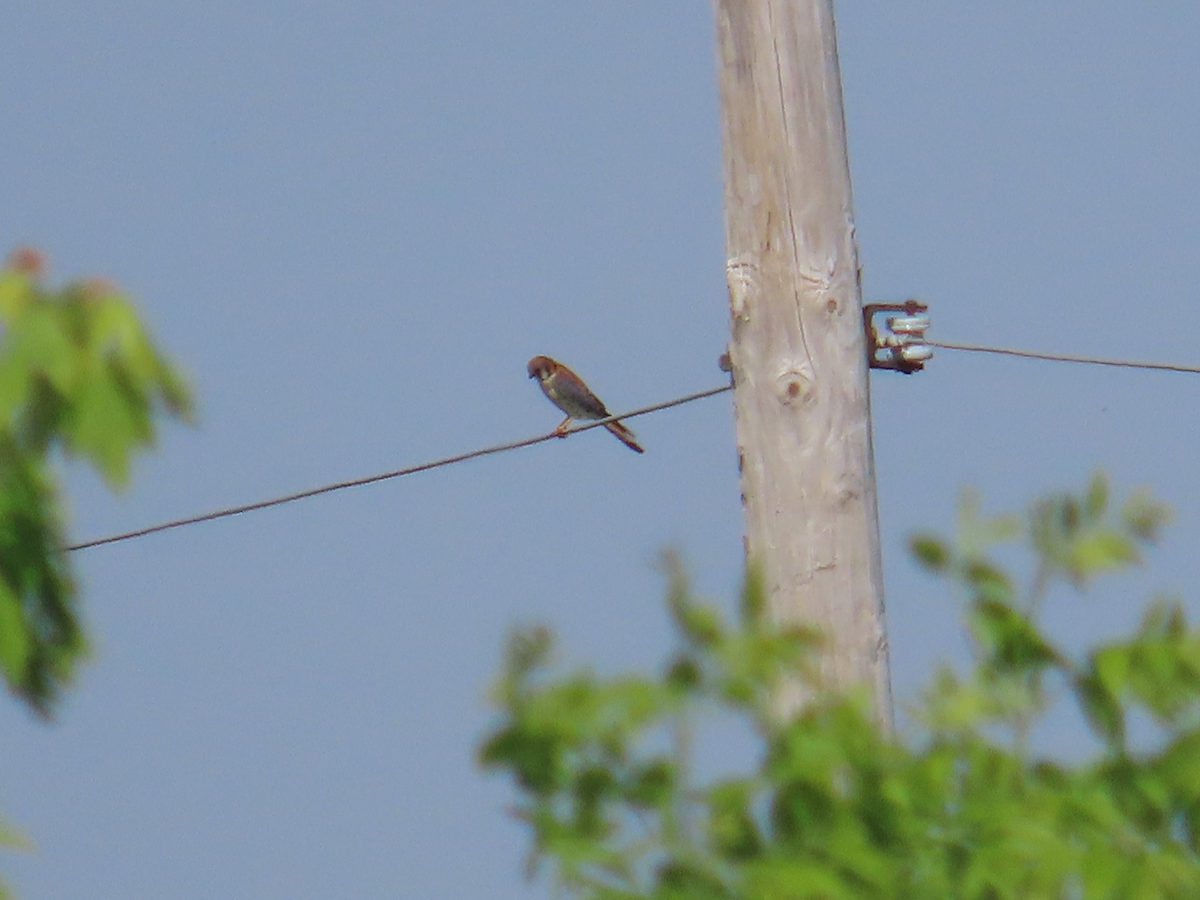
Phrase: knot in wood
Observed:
(794, 386)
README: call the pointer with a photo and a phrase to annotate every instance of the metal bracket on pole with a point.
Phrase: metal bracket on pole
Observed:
(900, 344)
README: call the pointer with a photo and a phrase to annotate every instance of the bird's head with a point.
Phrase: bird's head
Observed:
(541, 367)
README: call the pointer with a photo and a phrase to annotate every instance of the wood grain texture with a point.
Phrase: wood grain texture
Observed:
(802, 405)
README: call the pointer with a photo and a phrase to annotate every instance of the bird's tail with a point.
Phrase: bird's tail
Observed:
(625, 436)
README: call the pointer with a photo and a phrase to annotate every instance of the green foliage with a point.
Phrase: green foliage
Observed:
(80, 375)
(836, 807)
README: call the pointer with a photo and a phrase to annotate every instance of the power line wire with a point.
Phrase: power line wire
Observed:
(1065, 357)
(528, 442)
(371, 479)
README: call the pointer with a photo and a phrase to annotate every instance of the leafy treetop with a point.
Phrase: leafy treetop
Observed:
(838, 808)
(78, 374)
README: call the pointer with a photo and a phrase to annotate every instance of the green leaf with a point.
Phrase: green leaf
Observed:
(15, 384)
(987, 583)
(593, 785)
(697, 623)
(44, 636)
(528, 650)
(977, 534)
(535, 759)
(1112, 666)
(106, 424)
(679, 880)
(754, 595)
(930, 552)
(651, 784)
(1096, 501)
(684, 675)
(41, 343)
(17, 291)
(701, 624)
(805, 877)
(1102, 708)
(1096, 551)
(732, 829)
(15, 646)
(1145, 517)
(1179, 766)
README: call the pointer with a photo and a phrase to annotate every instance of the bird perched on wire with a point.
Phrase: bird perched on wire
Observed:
(567, 391)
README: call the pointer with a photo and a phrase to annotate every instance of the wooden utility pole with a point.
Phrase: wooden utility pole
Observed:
(798, 349)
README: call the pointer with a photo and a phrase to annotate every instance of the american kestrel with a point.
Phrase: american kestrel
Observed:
(567, 391)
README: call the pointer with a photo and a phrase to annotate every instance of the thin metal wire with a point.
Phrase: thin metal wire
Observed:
(528, 442)
(371, 479)
(1065, 357)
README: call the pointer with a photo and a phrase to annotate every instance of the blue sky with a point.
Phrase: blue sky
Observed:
(353, 225)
